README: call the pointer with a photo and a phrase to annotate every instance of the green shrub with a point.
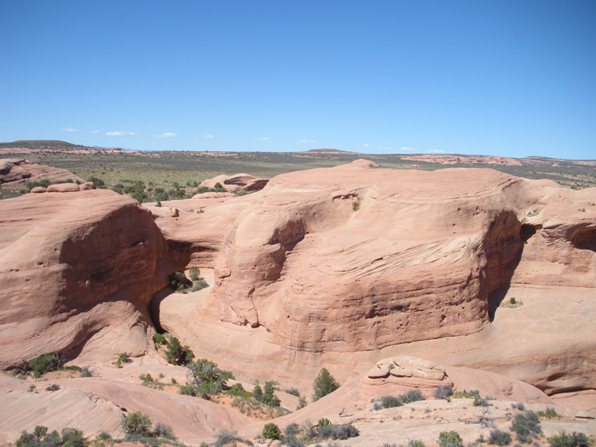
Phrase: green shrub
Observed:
(53, 387)
(86, 372)
(333, 431)
(238, 390)
(179, 282)
(292, 430)
(257, 392)
(163, 431)
(411, 396)
(415, 443)
(499, 437)
(199, 284)
(391, 401)
(160, 339)
(271, 431)
(526, 426)
(450, 439)
(207, 378)
(269, 397)
(137, 423)
(219, 188)
(225, 437)
(443, 392)
(569, 440)
(99, 183)
(71, 437)
(122, 358)
(43, 364)
(177, 354)
(324, 384)
(549, 413)
(193, 273)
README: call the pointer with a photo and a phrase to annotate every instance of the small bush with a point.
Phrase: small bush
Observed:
(199, 284)
(269, 397)
(390, 401)
(480, 401)
(71, 437)
(549, 413)
(86, 372)
(499, 437)
(415, 443)
(411, 396)
(569, 440)
(443, 392)
(178, 281)
(207, 378)
(324, 384)
(193, 273)
(292, 430)
(160, 339)
(137, 423)
(53, 387)
(450, 439)
(163, 431)
(518, 406)
(226, 436)
(526, 426)
(271, 431)
(123, 358)
(178, 354)
(257, 392)
(293, 391)
(333, 431)
(238, 390)
(43, 364)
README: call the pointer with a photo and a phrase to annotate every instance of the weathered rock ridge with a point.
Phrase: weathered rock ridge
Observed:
(19, 171)
(356, 258)
(77, 272)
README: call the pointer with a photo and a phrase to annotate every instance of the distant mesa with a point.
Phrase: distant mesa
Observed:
(330, 151)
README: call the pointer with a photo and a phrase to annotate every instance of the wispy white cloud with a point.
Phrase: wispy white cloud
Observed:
(166, 135)
(120, 133)
(366, 145)
(208, 136)
(307, 141)
(436, 151)
(408, 149)
(70, 129)
(96, 131)
(263, 139)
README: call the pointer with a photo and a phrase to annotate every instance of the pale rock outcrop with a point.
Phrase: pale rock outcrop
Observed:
(19, 171)
(236, 182)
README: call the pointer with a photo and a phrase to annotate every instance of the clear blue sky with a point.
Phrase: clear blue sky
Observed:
(507, 77)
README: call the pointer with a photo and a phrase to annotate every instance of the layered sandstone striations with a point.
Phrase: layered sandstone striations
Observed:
(355, 258)
(77, 271)
(341, 266)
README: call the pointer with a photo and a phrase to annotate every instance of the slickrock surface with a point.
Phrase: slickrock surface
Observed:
(77, 271)
(236, 182)
(19, 171)
(338, 266)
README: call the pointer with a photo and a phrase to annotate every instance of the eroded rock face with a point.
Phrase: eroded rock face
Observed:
(19, 171)
(354, 258)
(77, 272)
(236, 182)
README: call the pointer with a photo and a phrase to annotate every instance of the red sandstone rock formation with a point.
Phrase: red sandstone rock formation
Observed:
(77, 271)
(19, 171)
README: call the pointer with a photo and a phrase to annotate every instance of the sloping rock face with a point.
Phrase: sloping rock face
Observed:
(18, 171)
(356, 258)
(77, 271)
